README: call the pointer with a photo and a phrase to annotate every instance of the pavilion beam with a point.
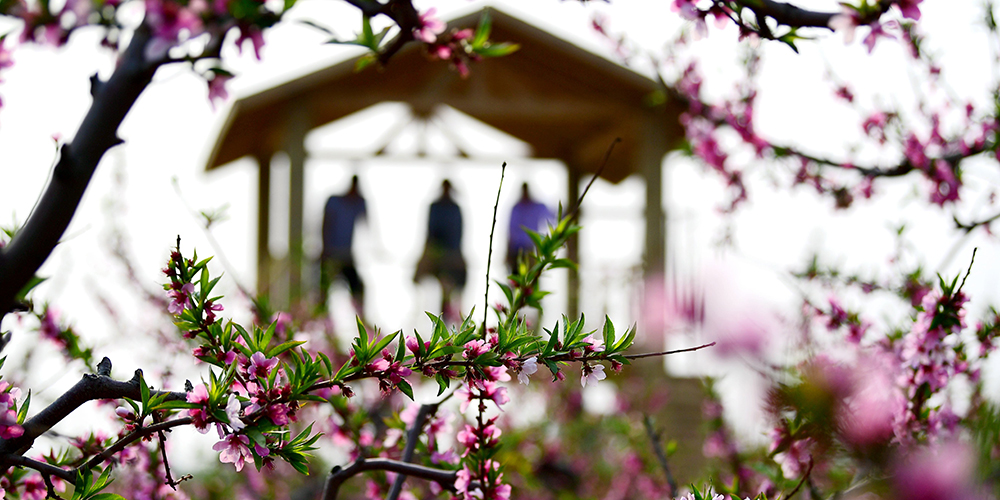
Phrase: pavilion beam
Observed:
(263, 223)
(295, 147)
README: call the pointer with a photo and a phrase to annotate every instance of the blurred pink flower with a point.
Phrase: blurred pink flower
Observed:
(430, 27)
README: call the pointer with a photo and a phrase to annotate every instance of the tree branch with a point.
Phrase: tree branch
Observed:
(44, 468)
(113, 99)
(338, 475)
(789, 15)
(412, 435)
(89, 388)
(133, 437)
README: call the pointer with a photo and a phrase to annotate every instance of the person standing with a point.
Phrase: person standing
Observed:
(442, 257)
(337, 260)
(527, 214)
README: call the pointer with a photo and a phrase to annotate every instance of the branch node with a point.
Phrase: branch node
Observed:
(104, 367)
(96, 84)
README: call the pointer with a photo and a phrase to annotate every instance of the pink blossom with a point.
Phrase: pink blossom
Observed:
(592, 375)
(845, 22)
(256, 37)
(278, 413)
(235, 450)
(937, 473)
(233, 412)
(261, 365)
(199, 416)
(181, 298)
(210, 308)
(217, 89)
(475, 348)
(593, 344)
(878, 30)
(687, 9)
(909, 8)
(496, 373)
(429, 27)
(528, 368)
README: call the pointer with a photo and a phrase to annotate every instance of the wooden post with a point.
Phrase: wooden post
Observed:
(652, 148)
(573, 245)
(298, 126)
(263, 224)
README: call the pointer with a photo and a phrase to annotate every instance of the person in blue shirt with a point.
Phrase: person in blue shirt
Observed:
(339, 218)
(442, 257)
(526, 214)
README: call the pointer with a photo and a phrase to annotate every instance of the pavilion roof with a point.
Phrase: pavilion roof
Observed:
(566, 103)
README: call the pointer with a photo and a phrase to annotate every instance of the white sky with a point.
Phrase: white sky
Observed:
(171, 129)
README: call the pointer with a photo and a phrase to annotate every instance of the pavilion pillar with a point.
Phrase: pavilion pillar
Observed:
(651, 150)
(298, 126)
(263, 223)
(573, 244)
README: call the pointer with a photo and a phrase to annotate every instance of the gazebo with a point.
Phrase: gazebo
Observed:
(564, 102)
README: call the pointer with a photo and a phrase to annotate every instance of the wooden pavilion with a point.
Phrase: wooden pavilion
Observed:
(564, 102)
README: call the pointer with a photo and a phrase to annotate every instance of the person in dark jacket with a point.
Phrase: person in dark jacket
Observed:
(442, 257)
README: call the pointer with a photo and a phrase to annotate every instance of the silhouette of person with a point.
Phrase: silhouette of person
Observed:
(442, 257)
(339, 217)
(526, 214)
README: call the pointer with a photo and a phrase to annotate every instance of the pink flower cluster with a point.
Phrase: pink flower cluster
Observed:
(9, 428)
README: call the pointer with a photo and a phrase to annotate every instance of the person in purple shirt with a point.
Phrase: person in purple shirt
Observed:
(442, 257)
(526, 214)
(339, 217)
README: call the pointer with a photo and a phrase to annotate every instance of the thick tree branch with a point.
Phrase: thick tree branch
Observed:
(790, 15)
(44, 468)
(34, 242)
(89, 388)
(338, 475)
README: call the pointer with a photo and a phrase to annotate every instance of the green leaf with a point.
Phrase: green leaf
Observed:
(362, 336)
(281, 348)
(144, 391)
(497, 49)
(174, 405)
(483, 30)
(31, 284)
(609, 333)
(364, 61)
(405, 388)
(377, 348)
(443, 383)
(22, 412)
(107, 496)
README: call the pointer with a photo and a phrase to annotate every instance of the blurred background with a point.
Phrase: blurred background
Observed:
(737, 267)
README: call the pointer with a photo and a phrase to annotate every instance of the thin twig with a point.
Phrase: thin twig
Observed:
(803, 480)
(489, 256)
(968, 271)
(604, 163)
(661, 456)
(666, 353)
(446, 478)
(132, 437)
(50, 488)
(412, 436)
(163, 454)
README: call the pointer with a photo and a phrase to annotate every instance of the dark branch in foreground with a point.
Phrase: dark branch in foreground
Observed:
(339, 474)
(91, 387)
(113, 99)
